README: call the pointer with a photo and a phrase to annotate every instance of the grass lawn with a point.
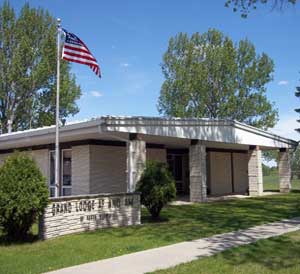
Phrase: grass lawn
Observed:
(271, 183)
(274, 255)
(180, 223)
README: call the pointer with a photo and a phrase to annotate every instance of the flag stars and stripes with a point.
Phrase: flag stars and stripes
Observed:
(74, 50)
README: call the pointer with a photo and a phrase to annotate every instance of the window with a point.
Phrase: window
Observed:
(65, 173)
(52, 174)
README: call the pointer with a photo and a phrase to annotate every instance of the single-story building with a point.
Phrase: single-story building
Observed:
(108, 154)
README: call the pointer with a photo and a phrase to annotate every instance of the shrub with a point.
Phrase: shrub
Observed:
(157, 187)
(23, 195)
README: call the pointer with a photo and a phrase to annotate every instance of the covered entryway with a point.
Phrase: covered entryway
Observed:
(227, 171)
(179, 166)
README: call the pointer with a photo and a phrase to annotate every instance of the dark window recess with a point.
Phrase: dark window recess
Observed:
(52, 174)
(178, 168)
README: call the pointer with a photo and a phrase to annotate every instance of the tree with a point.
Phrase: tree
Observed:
(207, 75)
(28, 70)
(157, 187)
(270, 155)
(245, 6)
(23, 195)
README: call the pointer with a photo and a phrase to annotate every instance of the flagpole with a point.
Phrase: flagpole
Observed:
(57, 154)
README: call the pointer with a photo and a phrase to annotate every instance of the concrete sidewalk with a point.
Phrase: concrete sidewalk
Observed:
(172, 255)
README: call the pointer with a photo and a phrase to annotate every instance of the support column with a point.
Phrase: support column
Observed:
(284, 170)
(255, 176)
(198, 177)
(136, 160)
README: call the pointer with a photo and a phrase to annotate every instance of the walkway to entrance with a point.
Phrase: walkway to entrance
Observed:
(172, 255)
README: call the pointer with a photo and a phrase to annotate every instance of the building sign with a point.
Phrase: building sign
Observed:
(73, 214)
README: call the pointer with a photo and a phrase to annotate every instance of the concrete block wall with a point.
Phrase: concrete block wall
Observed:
(41, 158)
(240, 172)
(156, 154)
(220, 173)
(198, 176)
(284, 170)
(81, 170)
(100, 169)
(107, 169)
(255, 175)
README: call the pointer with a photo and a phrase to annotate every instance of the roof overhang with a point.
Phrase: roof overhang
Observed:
(110, 127)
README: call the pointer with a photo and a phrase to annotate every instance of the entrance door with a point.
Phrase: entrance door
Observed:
(176, 167)
(220, 173)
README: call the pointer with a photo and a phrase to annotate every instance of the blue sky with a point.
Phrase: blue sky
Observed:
(129, 38)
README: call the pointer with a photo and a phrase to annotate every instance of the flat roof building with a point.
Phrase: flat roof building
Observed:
(108, 154)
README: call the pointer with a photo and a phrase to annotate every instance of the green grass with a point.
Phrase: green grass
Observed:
(180, 223)
(271, 183)
(274, 255)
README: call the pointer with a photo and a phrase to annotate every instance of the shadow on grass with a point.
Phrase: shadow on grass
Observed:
(295, 191)
(278, 191)
(275, 254)
(30, 238)
(189, 222)
(149, 219)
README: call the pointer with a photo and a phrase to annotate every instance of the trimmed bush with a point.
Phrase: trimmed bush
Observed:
(23, 195)
(157, 187)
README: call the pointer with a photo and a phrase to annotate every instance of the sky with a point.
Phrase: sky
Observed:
(128, 38)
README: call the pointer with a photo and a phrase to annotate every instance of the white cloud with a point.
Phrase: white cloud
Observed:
(124, 65)
(95, 93)
(283, 83)
(286, 127)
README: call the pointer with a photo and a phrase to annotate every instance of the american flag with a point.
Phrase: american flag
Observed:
(74, 50)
